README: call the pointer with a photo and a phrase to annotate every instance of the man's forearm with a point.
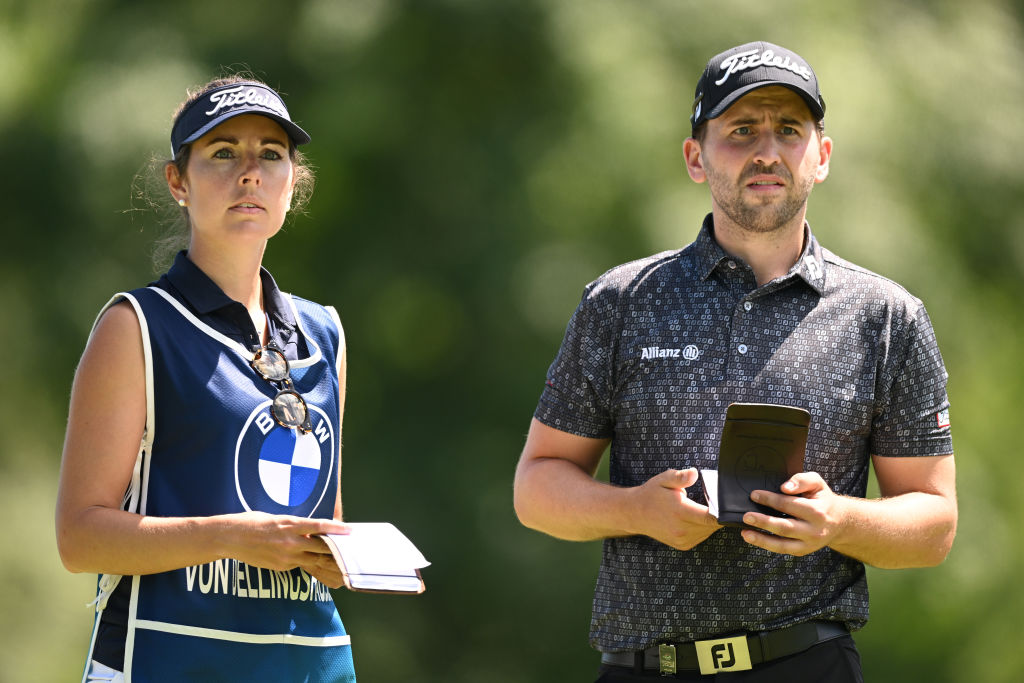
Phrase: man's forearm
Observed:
(558, 498)
(911, 530)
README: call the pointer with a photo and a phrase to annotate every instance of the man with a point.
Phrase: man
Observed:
(753, 311)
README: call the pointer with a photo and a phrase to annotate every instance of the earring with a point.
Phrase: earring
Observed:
(182, 203)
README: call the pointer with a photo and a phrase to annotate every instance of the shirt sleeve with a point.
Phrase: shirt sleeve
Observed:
(577, 395)
(913, 415)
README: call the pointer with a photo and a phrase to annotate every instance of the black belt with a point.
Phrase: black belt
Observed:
(763, 647)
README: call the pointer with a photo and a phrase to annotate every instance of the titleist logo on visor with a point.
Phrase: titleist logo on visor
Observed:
(245, 95)
(224, 102)
(748, 60)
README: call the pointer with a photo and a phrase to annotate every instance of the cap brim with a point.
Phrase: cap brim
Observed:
(816, 109)
(297, 135)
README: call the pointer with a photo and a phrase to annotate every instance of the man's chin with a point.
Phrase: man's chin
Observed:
(762, 222)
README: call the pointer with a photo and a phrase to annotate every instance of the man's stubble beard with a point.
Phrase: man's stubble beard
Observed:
(759, 217)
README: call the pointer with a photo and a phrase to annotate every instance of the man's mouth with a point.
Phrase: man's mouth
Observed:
(765, 183)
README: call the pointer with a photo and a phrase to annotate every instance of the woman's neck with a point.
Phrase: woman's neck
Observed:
(235, 272)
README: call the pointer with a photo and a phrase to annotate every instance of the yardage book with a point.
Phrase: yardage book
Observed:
(375, 557)
(762, 446)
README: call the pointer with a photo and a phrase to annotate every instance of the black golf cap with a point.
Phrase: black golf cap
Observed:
(217, 105)
(737, 71)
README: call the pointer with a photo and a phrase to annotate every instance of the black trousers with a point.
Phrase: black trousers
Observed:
(834, 661)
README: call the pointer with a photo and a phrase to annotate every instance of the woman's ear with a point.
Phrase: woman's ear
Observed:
(176, 184)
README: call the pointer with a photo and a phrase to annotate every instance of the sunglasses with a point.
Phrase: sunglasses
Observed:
(288, 408)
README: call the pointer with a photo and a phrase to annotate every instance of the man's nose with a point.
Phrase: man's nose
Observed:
(767, 150)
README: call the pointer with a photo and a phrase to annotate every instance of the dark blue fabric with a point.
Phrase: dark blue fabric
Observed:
(209, 401)
(189, 659)
(187, 283)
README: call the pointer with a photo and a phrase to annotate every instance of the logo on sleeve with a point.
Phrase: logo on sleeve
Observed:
(281, 470)
(942, 418)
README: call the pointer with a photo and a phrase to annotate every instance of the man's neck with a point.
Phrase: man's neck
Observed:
(769, 254)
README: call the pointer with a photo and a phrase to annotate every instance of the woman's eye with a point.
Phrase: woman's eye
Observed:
(272, 155)
(223, 153)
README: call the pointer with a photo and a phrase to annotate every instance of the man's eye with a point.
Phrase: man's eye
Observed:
(743, 130)
(789, 130)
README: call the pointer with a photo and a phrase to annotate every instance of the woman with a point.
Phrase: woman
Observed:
(202, 452)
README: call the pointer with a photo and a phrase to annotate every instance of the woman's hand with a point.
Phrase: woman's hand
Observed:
(283, 542)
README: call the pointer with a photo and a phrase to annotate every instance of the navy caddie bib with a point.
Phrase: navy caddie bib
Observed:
(212, 447)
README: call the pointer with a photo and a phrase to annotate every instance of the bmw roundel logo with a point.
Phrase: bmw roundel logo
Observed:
(283, 471)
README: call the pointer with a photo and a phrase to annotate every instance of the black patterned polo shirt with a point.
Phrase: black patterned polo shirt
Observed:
(654, 354)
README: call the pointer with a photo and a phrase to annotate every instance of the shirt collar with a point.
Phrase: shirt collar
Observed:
(709, 254)
(274, 301)
(810, 266)
(205, 296)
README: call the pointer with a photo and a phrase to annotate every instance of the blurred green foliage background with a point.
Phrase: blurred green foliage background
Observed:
(478, 163)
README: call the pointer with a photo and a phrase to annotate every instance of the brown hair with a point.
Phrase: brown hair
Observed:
(150, 186)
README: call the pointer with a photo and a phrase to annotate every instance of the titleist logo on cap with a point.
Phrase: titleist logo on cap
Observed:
(245, 95)
(748, 60)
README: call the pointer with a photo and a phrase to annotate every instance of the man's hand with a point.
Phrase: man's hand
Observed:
(665, 513)
(555, 492)
(816, 516)
(912, 524)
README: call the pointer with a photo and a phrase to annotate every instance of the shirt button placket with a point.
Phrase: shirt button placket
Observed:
(742, 348)
(741, 326)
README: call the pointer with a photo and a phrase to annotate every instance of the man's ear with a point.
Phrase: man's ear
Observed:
(825, 153)
(694, 160)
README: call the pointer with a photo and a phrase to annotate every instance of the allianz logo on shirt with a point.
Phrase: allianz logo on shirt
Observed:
(690, 352)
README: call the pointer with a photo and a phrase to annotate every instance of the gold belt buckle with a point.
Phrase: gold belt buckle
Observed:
(666, 659)
(724, 654)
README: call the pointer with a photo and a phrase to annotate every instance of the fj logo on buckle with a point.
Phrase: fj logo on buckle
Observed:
(725, 654)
